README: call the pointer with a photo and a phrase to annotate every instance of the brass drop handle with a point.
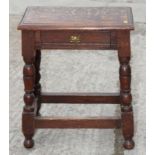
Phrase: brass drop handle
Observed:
(75, 39)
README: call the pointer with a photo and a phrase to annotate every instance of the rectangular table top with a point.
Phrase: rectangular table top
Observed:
(77, 18)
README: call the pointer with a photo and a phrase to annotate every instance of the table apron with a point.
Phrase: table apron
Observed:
(86, 40)
(81, 46)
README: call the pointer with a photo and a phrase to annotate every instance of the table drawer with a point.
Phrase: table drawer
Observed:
(75, 37)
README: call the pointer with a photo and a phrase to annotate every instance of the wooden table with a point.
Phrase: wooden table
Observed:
(91, 28)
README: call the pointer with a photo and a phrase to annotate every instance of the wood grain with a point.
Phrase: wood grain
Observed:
(77, 122)
(75, 28)
(54, 18)
(77, 98)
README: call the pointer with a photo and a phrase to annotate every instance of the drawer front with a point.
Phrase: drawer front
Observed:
(75, 37)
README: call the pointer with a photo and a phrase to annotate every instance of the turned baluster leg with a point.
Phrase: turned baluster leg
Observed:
(29, 82)
(37, 80)
(125, 92)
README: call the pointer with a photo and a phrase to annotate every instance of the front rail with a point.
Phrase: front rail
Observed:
(76, 98)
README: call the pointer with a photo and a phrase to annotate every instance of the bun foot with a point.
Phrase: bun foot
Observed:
(129, 144)
(28, 143)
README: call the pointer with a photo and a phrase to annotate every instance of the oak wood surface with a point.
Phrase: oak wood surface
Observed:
(77, 122)
(84, 39)
(85, 98)
(102, 37)
(75, 28)
(56, 18)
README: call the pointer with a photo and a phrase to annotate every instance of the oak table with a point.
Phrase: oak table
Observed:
(90, 28)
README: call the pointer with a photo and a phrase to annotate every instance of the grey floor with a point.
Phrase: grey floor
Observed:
(78, 71)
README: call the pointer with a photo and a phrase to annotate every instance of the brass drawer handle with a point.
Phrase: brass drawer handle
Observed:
(75, 39)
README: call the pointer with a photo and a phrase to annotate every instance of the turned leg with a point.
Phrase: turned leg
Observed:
(37, 80)
(28, 114)
(126, 107)
(125, 92)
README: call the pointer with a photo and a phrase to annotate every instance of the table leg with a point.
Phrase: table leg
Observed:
(28, 115)
(37, 80)
(125, 91)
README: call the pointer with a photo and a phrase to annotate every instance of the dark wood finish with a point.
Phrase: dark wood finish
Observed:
(60, 39)
(102, 37)
(76, 98)
(75, 28)
(29, 82)
(79, 46)
(125, 91)
(37, 89)
(71, 122)
(77, 18)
